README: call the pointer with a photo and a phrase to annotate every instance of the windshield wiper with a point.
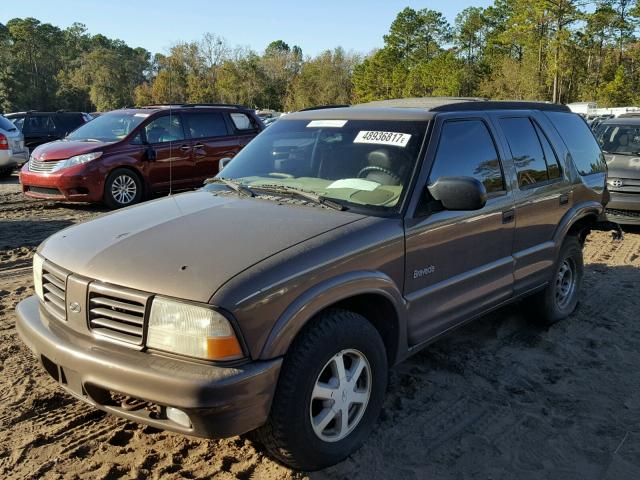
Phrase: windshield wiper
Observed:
(319, 199)
(233, 185)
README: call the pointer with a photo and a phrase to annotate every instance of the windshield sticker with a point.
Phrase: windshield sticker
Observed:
(143, 115)
(355, 183)
(383, 138)
(327, 123)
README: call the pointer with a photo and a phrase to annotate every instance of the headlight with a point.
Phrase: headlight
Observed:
(37, 275)
(77, 160)
(192, 330)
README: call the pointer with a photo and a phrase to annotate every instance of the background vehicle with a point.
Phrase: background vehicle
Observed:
(620, 142)
(13, 153)
(42, 127)
(125, 155)
(366, 233)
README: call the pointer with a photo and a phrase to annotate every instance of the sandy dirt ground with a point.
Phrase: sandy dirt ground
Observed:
(498, 399)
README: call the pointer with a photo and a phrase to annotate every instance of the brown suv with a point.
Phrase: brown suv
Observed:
(336, 244)
(123, 156)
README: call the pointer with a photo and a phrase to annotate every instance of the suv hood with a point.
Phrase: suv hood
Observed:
(63, 149)
(623, 166)
(186, 246)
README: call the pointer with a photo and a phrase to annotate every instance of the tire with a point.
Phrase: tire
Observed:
(122, 188)
(560, 297)
(6, 171)
(288, 434)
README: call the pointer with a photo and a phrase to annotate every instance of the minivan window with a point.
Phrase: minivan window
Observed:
(42, 124)
(109, 127)
(242, 121)
(580, 142)
(167, 128)
(466, 148)
(526, 150)
(209, 124)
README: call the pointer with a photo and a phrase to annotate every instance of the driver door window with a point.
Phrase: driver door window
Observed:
(167, 128)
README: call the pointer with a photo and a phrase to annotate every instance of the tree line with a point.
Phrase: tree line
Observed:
(555, 50)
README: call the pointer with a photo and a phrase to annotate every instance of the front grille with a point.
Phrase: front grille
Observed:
(42, 167)
(117, 314)
(622, 213)
(44, 191)
(54, 284)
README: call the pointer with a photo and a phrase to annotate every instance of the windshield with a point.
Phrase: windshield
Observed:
(110, 127)
(619, 139)
(360, 162)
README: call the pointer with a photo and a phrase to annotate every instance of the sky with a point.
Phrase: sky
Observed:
(315, 26)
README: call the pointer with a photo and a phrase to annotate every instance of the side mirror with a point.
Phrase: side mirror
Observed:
(223, 163)
(459, 193)
(150, 154)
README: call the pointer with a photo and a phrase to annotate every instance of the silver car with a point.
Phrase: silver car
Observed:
(13, 152)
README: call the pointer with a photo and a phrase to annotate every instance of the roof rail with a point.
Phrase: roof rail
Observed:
(458, 104)
(195, 105)
(323, 107)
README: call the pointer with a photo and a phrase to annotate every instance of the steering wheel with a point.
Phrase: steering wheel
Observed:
(374, 168)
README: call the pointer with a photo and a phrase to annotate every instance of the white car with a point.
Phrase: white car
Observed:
(13, 152)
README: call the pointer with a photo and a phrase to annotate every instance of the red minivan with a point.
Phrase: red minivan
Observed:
(126, 155)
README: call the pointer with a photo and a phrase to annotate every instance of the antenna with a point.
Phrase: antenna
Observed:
(170, 139)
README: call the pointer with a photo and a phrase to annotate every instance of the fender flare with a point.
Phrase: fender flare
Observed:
(574, 215)
(327, 293)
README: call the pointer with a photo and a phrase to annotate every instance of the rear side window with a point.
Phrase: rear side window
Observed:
(203, 125)
(68, 123)
(466, 148)
(18, 122)
(580, 142)
(40, 124)
(526, 151)
(242, 121)
(553, 167)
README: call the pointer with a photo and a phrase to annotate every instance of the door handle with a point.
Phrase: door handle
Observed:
(508, 216)
(564, 199)
(184, 148)
(198, 145)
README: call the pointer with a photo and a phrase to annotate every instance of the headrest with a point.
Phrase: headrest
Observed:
(379, 158)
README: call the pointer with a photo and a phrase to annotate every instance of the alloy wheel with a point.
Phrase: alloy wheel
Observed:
(340, 395)
(124, 189)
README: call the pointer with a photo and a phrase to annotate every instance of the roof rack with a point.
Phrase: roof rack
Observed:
(196, 105)
(458, 104)
(323, 107)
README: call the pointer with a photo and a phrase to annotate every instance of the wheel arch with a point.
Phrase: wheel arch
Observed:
(372, 295)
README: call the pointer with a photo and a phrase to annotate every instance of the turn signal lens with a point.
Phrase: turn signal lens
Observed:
(37, 276)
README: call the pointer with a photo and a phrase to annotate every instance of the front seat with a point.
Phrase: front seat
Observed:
(382, 168)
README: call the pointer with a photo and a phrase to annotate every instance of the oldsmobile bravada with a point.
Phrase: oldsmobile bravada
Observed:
(336, 244)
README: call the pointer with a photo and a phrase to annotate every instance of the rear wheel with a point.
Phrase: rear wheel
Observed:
(560, 298)
(329, 394)
(122, 188)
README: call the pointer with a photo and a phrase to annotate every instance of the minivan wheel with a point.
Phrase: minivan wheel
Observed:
(560, 298)
(329, 394)
(122, 188)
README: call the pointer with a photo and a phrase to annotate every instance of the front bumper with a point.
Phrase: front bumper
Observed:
(75, 184)
(220, 401)
(624, 208)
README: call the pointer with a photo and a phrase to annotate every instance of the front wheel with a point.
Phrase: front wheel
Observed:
(122, 188)
(560, 297)
(329, 394)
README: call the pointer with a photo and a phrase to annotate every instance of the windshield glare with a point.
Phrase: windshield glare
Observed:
(363, 162)
(619, 139)
(110, 127)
